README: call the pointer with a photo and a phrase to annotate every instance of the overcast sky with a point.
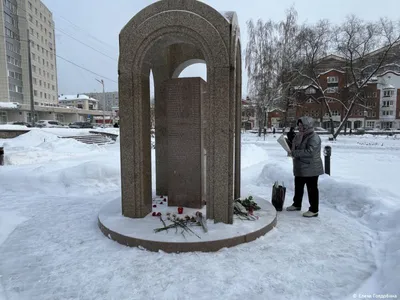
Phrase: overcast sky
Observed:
(98, 22)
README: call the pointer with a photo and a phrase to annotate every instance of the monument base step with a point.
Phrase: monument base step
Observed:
(140, 232)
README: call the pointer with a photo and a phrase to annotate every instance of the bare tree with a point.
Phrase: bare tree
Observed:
(288, 56)
(270, 52)
(315, 42)
(259, 65)
(359, 44)
(364, 44)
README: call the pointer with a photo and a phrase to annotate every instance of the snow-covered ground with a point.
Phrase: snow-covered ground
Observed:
(52, 189)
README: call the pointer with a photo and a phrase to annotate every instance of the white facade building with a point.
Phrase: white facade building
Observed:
(17, 19)
(78, 101)
(389, 84)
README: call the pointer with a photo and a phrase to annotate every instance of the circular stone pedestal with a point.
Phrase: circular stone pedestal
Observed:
(140, 232)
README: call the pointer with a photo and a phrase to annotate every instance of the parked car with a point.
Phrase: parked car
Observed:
(22, 124)
(49, 124)
(81, 125)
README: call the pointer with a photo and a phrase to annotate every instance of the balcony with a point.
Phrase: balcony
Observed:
(387, 118)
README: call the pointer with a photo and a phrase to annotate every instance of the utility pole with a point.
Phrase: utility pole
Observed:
(31, 81)
(104, 102)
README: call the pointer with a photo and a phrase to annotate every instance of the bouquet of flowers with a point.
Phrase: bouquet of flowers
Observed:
(183, 223)
(244, 209)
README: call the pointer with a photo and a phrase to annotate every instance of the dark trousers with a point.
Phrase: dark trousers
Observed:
(312, 189)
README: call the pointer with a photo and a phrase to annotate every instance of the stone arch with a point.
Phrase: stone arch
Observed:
(186, 64)
(147, 42)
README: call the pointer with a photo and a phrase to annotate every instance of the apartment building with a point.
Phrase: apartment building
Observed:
(39, 22)
(22, 21)
(17, 19)
(11, 67)
(379, 110)
(389, 98)
(111, 100)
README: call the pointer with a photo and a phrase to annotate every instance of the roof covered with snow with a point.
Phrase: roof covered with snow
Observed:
(75, 97)
(389, 87)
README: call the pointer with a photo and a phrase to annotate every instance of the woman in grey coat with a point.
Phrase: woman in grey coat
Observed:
(307, 166)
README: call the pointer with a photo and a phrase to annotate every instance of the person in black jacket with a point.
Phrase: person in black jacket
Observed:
(290, 136)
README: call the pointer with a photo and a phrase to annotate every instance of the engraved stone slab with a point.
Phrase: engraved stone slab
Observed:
(184, 99)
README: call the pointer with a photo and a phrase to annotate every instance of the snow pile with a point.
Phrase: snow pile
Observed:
(13, 127)
(252, 155)
(52, 248)
(8, 222)
(32, 138)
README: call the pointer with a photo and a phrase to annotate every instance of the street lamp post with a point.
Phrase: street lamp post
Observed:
(104, 102)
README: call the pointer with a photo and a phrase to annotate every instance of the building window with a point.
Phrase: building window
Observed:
(388, 103)
(388, 93)
(34, 68)
(40, 82)
(3, 117)
(370, 124)
(9, 33)
(35, 92)
(15, 75)
(34, 80)
(9, 46)
(10, 6)
(332, 79)
(332, 90)
(310, 91)
(374, 114)
(387, 113)
(335, 113)
(41, 94)
(10, 20)
(30, 5)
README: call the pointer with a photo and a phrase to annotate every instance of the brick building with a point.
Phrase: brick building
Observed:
(381, 96)
(275, 118)
(249, 115)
